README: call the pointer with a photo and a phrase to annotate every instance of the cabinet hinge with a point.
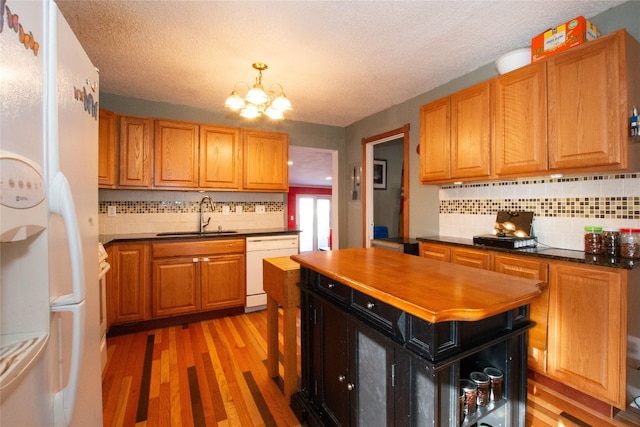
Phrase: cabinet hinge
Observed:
(393, 375)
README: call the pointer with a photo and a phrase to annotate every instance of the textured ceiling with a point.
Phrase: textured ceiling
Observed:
(339, 61)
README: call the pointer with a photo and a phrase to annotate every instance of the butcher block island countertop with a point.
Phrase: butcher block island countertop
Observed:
(434, 291)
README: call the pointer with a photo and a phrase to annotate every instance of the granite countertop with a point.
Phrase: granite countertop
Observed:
(542, 252)
(106, 239)
(431, 290)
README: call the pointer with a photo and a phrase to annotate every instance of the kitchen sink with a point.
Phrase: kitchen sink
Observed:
(195, 233)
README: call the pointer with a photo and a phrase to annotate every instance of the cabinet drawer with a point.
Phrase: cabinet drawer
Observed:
(333, 288)
(197, 247)
(374, 310)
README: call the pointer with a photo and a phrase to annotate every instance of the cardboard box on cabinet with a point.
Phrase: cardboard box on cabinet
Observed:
(572, 33)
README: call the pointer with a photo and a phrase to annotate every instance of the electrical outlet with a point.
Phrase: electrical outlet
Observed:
(111, 211)
(225, 210)
(260, 209)
(238, 209)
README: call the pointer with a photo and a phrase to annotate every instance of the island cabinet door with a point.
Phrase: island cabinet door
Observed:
(370, 382)
(346, 367)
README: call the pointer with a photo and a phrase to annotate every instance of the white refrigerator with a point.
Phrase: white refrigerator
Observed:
(50, 370)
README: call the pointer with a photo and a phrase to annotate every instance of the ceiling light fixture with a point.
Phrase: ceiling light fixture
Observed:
(272, 103)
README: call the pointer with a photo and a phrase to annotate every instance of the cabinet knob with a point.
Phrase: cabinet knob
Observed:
(350, 386)
(331, 285)
(195, 260)
(342, 378)
(370, 305)
(205, 259)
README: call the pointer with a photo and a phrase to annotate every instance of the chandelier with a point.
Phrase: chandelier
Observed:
(272, 103)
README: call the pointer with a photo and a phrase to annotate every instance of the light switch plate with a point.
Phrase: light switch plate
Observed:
(225, 210)
(260, 209)
(238, 209)
(111, 211)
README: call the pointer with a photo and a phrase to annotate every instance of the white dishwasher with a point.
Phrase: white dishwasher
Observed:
(258, 248)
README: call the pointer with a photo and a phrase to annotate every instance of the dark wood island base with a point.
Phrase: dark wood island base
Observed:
(386, 339)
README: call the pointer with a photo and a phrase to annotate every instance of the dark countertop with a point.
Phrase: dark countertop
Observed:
(542, 252)
(107, 239)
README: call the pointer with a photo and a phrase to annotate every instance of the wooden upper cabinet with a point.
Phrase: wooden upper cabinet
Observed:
(220, 157)
(520, 121)
(455, 136)
(471, 132)
(588, 104)
(135, 152)
(107, 141)
(266, 156)
(435, 141)
(175, 154)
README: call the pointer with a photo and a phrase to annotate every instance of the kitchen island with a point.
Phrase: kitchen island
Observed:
(386, 338)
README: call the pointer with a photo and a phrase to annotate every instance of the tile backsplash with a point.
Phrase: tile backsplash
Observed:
(130, 211)
(562, 207)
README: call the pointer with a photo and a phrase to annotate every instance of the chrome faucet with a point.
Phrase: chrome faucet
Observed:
(203, 223)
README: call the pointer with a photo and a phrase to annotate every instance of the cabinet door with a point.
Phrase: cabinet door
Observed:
(435, 141)
(471, 258)
(127, 283)
(334, 362)
(370, 381)
(588, 331)
(220, 157)
(176, 286)
(222, 279)
(435, 252)
(175, 154)
(135, 152)
(266, 155)
(584, 106)
(471, 132)
(538, 310)
(107, 140)
(520, 121)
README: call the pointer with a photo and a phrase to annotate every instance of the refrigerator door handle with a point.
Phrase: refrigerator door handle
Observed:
(61, 203)
(64, 401)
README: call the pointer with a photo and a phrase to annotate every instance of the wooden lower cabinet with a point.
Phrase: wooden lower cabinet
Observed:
(580, 337)
(195, 276)
(531, 268)
(222, 281)
(456, 255)
(588, 331)
(176, 286)
(127, 283)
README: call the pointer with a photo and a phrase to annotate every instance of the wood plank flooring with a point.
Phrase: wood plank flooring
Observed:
(213, 373)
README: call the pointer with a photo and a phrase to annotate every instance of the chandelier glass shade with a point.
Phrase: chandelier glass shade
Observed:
(272, 103)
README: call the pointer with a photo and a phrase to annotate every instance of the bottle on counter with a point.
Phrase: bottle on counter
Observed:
(611, 241)
(630, 243)
(593, 240)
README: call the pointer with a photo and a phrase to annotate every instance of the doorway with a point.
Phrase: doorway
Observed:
(314, 216)
(367, 183)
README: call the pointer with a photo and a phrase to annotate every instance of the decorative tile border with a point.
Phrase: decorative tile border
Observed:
(543, 180)
(141, 207)
(573, 207)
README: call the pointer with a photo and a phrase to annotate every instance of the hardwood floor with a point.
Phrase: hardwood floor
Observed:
(213, 373)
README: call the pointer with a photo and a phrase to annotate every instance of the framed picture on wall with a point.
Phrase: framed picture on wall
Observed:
(379, 174)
